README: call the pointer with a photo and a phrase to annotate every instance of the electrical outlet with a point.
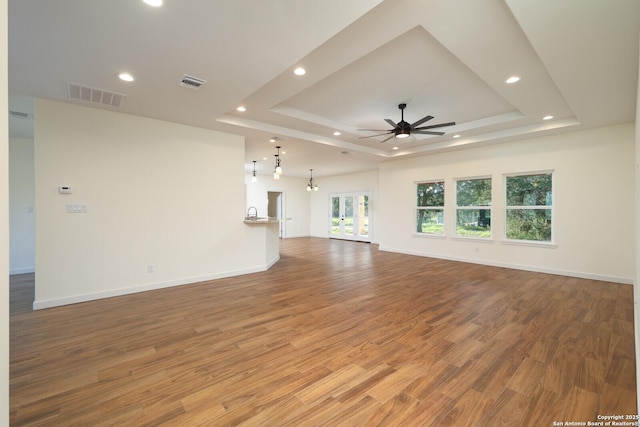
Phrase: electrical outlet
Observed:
(151, 268)
(76, 208)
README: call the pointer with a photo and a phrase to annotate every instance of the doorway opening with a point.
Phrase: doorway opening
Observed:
(275, 209)
(349, 217)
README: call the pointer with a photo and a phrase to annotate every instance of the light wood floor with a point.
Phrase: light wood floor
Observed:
(336, 333)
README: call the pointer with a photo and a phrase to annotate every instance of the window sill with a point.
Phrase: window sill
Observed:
(531, 243)
(472, 239)
(430, 236)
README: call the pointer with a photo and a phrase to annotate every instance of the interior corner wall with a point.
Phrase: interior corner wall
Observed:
(4, 219)
(350, 183)
(164, 204)
(296, 201)
(21, 206)
(636, 287)
(593, 203)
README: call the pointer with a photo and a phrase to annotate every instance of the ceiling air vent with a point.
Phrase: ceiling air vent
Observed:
(191, 82)
(94, 95)
(19, 115)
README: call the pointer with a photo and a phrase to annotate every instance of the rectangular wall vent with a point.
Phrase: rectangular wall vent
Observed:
(19, 114)
(94, 95)
(191, 82)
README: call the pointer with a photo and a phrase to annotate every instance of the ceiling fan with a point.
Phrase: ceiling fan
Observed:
(404, 129)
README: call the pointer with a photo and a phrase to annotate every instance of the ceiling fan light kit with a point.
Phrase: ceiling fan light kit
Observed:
(404, 129)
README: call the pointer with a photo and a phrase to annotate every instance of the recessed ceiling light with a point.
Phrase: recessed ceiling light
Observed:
(456, 136)
(299, 71)
(125, 77)
(264, 158)
(512, 79)
(154, 3)
(336, 133)
(284, 152)
(395, 148)
(242, 108)
(547, 118)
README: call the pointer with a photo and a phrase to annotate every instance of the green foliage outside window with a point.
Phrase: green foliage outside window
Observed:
(529, 205)
(471, 219)
(430, 211)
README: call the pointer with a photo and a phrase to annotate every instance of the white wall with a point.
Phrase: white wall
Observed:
(156, 194)
(4, 221)
(21, 206)
(636, 288)
(296, 201)
(593, 218)
(356, 182)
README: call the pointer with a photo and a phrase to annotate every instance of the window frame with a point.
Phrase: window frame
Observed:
(550, 208)
(473, 207)
(440, 209)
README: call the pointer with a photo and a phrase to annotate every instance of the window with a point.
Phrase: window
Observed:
(430, 207)
(473, 208)
(529, 207)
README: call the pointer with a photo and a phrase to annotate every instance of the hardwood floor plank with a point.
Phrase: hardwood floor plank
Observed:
(327, 386)
(394, 411)
(581, 404)
(527, 377)
(507, 410)
(335, 333)
(470, 410)
(396, 382)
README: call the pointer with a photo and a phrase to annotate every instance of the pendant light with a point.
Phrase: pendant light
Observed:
(254, 178)
(278, 169)
(311, 185)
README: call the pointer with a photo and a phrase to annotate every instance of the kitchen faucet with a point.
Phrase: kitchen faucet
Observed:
(255, 214)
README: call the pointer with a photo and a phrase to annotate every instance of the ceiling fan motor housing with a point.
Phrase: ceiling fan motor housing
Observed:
(403, 129)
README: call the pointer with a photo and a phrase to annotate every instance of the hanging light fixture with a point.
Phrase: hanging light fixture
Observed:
(278, 169)
(254, 178)
(311, 185)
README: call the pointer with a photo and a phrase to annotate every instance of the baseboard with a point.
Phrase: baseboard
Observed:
(42, 304)
(271, 263)
(535, 269)
(24, 270)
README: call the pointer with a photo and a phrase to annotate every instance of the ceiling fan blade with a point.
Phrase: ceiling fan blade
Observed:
(391, 122)
(427, 132)
(385, 140)
(421, 121)
(435, 126)
(371, 136)
(377, 130)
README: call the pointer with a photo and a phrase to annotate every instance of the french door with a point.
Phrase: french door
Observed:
(350, 216)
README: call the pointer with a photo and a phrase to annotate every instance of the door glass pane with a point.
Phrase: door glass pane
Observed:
(363, 215)
(335, 216)
(348, 215)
